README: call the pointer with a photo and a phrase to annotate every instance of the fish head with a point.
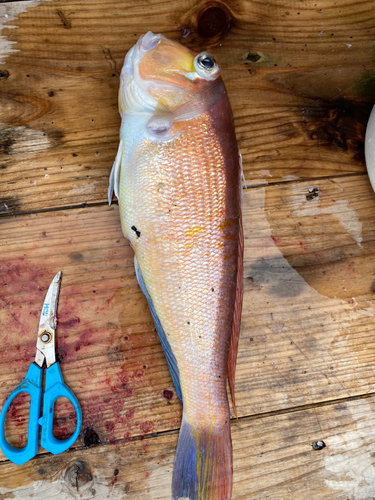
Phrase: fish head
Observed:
(164, 77)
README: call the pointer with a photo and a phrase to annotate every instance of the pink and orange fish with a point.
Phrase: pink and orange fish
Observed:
(177, 175)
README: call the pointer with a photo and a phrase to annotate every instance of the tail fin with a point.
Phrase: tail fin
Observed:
(203, 464)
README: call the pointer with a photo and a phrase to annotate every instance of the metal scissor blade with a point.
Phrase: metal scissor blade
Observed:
(45, 346)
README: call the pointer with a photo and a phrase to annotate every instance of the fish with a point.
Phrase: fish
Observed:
(178, 178)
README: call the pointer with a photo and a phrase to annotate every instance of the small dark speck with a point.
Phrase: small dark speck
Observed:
(251, 339)
(74, 154)
(51, 93)
(188, 322)
(116, 471)
(168, 394)
(313, 193)
(212, 289)
(138, 233)
(94, 291)
(318, 445)
(126, 338)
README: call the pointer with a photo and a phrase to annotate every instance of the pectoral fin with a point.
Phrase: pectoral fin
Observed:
(114, 178)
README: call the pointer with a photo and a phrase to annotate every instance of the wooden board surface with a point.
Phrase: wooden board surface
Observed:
(273, 459)
(302, 84)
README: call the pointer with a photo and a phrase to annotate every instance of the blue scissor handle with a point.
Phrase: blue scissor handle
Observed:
(54, 389)
(32, 385)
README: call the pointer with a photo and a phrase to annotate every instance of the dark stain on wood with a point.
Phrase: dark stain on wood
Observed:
(90, 437)
(76, 257)
(366, 86)
(4, 74)
(21, 140)
(6, 141)
(65, 21)
(339, 123)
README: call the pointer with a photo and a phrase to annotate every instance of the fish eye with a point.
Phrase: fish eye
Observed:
(207, 62)
(206, 66)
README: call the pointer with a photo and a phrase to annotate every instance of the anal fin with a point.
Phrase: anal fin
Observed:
(171, 360)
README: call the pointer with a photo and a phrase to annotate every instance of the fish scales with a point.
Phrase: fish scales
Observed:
(180, 210)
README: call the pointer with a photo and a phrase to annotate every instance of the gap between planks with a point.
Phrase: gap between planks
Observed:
(245, 418)
(115, 202)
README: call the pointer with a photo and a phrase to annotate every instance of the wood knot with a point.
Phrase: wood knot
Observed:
(214, 22)
(207, 22)
(78, 474)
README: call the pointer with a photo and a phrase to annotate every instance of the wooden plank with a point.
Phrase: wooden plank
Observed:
(308, 319)
(273, 459)
(301, 82)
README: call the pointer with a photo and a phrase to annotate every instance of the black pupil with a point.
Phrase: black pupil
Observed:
(207, 62)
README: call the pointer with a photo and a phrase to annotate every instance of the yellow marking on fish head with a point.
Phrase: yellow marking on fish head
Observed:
(168, 62)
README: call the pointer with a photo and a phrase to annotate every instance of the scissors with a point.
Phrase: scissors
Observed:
(33, 384)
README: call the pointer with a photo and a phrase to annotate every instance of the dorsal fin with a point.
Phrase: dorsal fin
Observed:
(236, 325)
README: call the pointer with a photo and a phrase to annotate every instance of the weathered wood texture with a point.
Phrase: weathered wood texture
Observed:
(307, 330)
(301, 82)
(273, 459)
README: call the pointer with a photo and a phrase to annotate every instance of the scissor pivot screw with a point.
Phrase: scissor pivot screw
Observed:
(46, 337)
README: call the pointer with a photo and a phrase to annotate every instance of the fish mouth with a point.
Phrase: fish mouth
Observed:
(148, 41)
(144, 44)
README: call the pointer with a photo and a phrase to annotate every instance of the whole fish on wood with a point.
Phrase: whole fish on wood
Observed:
(177, 175)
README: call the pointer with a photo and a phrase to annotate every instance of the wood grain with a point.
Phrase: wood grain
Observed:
(307, 330)
(301, 82)
(273, 458)
(301, 79)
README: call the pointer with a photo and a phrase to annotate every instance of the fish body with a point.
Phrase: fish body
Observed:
(177, 175)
